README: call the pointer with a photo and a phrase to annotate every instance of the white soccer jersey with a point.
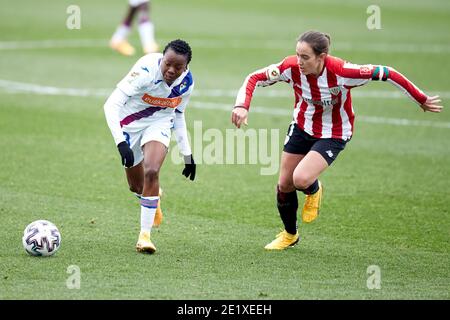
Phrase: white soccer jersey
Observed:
(150, 98)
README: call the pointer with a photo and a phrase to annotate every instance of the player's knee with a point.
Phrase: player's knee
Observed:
(143, 7)
(143, 13)
(136, 188)
(302, 181)
(151, 174)
(286, 186)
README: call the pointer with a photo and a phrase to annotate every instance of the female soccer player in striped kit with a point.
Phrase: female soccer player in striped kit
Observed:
(322, 123)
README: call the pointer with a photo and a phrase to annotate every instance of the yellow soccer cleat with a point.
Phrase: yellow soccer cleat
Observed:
(123, 47)
(158, 214)
(144, 243)
(312, 205)
(151, 48)
(283, 240)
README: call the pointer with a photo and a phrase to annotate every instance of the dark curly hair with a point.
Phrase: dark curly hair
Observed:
(180, 47)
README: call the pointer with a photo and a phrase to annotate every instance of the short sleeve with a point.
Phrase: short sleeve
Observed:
(137, 79)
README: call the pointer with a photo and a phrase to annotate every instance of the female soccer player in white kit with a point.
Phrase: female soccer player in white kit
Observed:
(141, 112)
(322, 120)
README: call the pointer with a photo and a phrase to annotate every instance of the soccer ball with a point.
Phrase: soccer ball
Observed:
(41, 238)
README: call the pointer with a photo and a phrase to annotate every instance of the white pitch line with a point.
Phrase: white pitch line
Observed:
(15, 86)
(20, 87)
(235, 44)
(49, 44)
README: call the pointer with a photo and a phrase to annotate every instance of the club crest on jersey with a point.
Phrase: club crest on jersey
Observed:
(183, 86)
(133, 76)
(273, 73)
(365, 70)
(335, 90)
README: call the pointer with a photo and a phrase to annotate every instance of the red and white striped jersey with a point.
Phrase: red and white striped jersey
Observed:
(323, 104)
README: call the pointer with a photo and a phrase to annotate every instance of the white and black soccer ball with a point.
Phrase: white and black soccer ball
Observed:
(41, 238)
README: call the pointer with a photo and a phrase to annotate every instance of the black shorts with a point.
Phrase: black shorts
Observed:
(299, 142)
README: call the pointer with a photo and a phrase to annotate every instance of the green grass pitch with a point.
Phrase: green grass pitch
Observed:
(386, 200)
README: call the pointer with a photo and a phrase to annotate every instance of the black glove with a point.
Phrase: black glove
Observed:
(189, 167)
(126, 154)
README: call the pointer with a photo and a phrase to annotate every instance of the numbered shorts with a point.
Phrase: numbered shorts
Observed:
(135, 3)
(159, 131)
(299, 142)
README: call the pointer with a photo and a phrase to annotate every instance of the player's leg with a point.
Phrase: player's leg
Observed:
(306, 180)
(119, 40)
(146, 28)
(295, 147)
(321, 156)
(287, 203)
(154, 154)
(155, 142)
(135, 174)
(135, 178)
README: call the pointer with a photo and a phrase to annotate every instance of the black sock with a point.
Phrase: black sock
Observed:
(287, 204)
(312, 188)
